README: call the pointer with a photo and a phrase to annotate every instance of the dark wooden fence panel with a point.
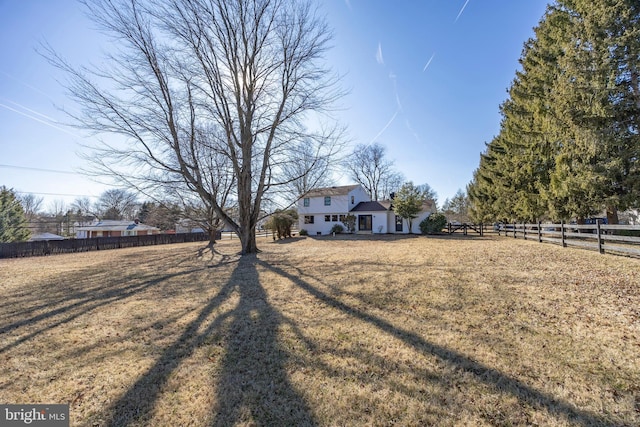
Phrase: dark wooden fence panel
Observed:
(604, 238)
(50, 247)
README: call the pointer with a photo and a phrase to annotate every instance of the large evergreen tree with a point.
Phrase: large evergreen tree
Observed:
(513, 177)
(13, 223)
(597, 104)
(568, 144)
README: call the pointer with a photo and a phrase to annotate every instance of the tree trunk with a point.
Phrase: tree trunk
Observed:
(612, 215)
(248, 239)
(212, 232)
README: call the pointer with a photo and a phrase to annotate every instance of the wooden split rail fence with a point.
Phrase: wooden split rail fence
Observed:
(464, 228)
(604, 238)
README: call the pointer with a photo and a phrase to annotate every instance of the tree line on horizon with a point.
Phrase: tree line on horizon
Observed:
(569, 143)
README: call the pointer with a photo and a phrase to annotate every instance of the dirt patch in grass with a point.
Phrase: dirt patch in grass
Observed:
(326, 331)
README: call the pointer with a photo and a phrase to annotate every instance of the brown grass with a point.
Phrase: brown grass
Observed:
(327, 331)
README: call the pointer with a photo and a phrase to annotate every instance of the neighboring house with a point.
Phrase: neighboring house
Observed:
(186, 225)
(113, 228)
(320, 209)
(45, 236)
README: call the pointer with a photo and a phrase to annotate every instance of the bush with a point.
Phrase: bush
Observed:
(304, 232)
(337, 228)
(280, 223)
(433, 224)
(350, 222)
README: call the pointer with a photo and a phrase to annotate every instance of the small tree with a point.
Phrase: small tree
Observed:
(350, 223)
(457, 208)
(280, 223)
(13, 223)
(408, 203)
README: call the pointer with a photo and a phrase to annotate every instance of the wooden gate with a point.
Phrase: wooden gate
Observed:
(465, 227)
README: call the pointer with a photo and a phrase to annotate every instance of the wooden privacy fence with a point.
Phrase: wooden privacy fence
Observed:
(601, 237)
(49, 247)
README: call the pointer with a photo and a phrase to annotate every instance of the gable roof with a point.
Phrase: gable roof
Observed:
(331, 191)
(371, 207)
(386, 205)
(114, 225)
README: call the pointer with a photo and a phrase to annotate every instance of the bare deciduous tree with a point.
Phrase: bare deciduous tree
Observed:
(307, 170)
(117, 204)
(368, 166)
(32, 206)
(211, 96)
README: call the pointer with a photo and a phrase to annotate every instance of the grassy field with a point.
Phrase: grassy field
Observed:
(330, 331)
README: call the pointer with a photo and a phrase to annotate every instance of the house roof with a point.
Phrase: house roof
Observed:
(113, 225)
(386, 205)
(331, 191)
(371, 207)
(45, 236)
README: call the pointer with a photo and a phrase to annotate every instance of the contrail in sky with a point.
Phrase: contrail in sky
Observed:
(428, 63)
(39, 120)
(385, 127)
(379, 57)
(33, 88)
(461, 10)
(30, 110)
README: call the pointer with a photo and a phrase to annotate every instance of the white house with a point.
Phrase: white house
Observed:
(320, 209)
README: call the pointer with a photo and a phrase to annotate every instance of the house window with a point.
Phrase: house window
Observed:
(327, 218)
(343, 218)
(353, 199)
(398, 223)
(306, 202)
(334, 218)
(327, 200)
(309, 219)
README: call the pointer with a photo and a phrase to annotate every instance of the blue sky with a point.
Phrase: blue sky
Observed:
(425, 78)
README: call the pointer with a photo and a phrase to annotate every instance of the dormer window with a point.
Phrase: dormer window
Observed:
(353, 200)
(306, 202)
(327, 200)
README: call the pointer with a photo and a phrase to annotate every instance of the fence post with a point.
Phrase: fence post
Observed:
(600, 248)
(481, 229)
(539, 232)
(524, 230)
(514, 230)
(564, 244)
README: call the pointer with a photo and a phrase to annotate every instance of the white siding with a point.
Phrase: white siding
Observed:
(340, 205)
(359, 195)
(415, 225)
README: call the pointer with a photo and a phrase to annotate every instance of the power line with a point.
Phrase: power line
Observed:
(39, 169)
(54, 194)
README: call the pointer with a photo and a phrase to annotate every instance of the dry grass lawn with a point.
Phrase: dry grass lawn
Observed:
(344, 331)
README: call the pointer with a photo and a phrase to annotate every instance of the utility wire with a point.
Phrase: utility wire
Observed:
(53, 194)
(38, 169)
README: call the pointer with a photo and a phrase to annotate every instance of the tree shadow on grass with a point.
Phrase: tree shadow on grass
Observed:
(499, 381)
(73, 307)
(252, 385)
